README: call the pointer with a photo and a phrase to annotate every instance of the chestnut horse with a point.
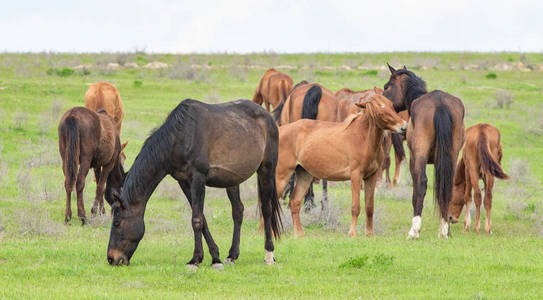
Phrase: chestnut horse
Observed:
(104, 95)
(313, 101)
(355, 97)
(219, 145)
(435, 134)
(272, 89)
(394, 140)
(337, 151)
(88, 140)
(481, 158)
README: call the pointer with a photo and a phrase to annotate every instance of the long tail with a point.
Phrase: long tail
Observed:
(443, 165)
(276, 113)
(312, 98)
(276, 221)
(283, 88)
(257, 97)
(71, 132)
(397, 143)
(488, 163)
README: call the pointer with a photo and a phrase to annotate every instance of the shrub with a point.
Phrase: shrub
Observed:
(370, 73)
(64, 72)
(491, 75)
(365, 261)
(138, 83)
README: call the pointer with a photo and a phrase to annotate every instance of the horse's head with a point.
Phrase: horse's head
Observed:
(457, 199)
(382, 111)
(403, 87)
(127, 230)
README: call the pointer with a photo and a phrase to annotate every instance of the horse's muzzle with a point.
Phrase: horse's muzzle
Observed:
(115, 258)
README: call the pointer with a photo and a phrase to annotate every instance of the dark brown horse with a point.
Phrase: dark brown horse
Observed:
(315, 102)
(87, 140)
(199, 144)
(272, 89)
(481, 158)
(337, 151)
(435, 134)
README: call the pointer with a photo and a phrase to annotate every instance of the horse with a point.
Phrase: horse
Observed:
(88, 140)
(394, 140)
(200, 144)
(104, 95)
(481, 158)
(435, 134)
(357, 96)
(337, 151)
(313, 101)
(273, 88)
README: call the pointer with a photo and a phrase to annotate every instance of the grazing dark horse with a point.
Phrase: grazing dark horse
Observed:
(273, 88)
(481, 158)
(199, 144)
(313, 101)
(435, 134)
(88, 140)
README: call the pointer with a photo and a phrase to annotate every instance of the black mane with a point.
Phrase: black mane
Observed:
(155, 154)
(414, 86)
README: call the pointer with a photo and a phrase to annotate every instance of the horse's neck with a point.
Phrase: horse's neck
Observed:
(145, 175)
(372, 135)
(411, 95)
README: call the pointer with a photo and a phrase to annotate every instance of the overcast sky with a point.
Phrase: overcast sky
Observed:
(243, 26)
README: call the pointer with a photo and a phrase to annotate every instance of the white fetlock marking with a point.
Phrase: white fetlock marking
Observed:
(229, 261)
(217, 266)
(443, 229)
(415, 228)
(192, 268)
(269, 259)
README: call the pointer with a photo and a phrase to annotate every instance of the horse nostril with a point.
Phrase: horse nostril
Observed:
(110, 260)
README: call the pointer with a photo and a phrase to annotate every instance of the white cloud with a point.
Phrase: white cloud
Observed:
(283, 26)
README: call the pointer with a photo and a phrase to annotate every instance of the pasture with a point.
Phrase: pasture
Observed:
(42, 258)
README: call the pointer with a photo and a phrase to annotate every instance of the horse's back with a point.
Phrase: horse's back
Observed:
(104, 95)
(234, 136)
(327, 107)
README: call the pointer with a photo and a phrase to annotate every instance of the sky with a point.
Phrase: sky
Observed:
(295, 26)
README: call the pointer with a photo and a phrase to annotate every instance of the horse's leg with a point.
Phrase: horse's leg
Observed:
(324, 202)
(369, 191)
(100, 187)
(489, 184)
(80, 185)
(269, 203)
(308, 199)
(197, 195)
(303, 181)
(267, 105)
(417, 166)
(213, 248)
(237, 216)
(397, 166)
(355, 201)
(467, 201)
(68, 186)
(97, 172)
(474, 182)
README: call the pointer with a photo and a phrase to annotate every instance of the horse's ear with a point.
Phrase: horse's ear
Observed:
(361, 104)
(404, 67)
(124, 144)
(392, 70)
(375, 90)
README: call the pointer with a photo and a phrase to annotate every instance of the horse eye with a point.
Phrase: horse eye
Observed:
(116, 223)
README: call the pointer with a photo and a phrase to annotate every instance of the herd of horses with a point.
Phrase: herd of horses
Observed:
(306, 133)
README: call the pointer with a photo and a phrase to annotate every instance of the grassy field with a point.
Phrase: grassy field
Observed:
(42, 258)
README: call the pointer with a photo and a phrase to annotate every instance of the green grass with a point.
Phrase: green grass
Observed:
(42, 258)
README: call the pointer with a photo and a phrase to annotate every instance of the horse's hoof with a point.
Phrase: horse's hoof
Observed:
(192, 267)
(412, 235)
(217, 266)
(83, 221)
(269, 259)
(230, 261)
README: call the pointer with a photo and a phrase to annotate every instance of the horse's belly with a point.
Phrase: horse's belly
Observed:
(325, 165)
(230, 175)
